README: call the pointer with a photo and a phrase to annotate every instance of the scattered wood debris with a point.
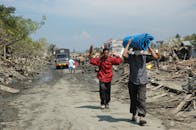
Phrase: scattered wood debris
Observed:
(171, 90)
(8, 89)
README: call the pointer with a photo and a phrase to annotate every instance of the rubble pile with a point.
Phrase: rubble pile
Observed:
(171, 91)
(191, 85)
(17, 69)
(172, 85)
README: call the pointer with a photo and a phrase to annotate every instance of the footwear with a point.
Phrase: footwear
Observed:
(107, 106)
(133, 119)
(102, 107)
(142, 122)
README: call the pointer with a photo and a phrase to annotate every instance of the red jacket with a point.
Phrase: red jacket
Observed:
(105, 67)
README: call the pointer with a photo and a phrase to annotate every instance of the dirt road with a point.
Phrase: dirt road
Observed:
(72, 103)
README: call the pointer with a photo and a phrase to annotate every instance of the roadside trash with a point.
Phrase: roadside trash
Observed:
(149, 66)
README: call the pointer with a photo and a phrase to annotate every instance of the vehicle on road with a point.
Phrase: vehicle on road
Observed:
(62, 56)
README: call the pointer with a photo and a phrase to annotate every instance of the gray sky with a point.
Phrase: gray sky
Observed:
(75, 24)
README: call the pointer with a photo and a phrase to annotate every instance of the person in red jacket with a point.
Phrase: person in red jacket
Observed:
(105, 74)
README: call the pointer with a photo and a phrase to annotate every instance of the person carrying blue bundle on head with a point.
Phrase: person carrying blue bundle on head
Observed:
(138, 76)
(139, 41)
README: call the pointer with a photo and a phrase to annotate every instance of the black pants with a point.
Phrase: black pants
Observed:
(104, 92)
(137, 95)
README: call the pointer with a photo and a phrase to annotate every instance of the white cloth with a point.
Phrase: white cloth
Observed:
(71, 63)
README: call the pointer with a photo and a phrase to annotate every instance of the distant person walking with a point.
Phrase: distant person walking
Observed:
(137, 82)
(71, 65)
(81, 60)
(104, 74)
(157, 59)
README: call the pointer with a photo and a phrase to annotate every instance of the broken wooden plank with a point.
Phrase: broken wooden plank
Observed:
(174, 99)
(157, 87)
(8, 89)
(173, 90)
(182, 103)
(165, 87)
(158, 96)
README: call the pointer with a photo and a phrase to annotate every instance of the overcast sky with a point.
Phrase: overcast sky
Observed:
(75, 24)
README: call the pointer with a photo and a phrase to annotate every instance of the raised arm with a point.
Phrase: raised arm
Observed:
(154, 55)
(125, 52)
(116, 59)
(90, 52)
(95, 61)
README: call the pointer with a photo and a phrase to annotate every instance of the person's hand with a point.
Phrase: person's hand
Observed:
(115, 54)
(91, 50)
(125, 52)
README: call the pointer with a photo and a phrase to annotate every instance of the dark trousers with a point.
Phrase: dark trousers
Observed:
(104, 92)
(137, 95)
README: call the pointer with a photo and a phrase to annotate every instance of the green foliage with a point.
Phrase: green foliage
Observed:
(29, 48)
(177, 36)
(51, 49)
(15, 31)
(6, 16)
(14, 28)
(190, 37)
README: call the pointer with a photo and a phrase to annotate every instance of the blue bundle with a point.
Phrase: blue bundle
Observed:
(140, 41)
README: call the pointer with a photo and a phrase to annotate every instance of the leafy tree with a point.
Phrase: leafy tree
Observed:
(51, 49)
(13, 28)
(177, 36)
(190, 37)
(29, 48)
